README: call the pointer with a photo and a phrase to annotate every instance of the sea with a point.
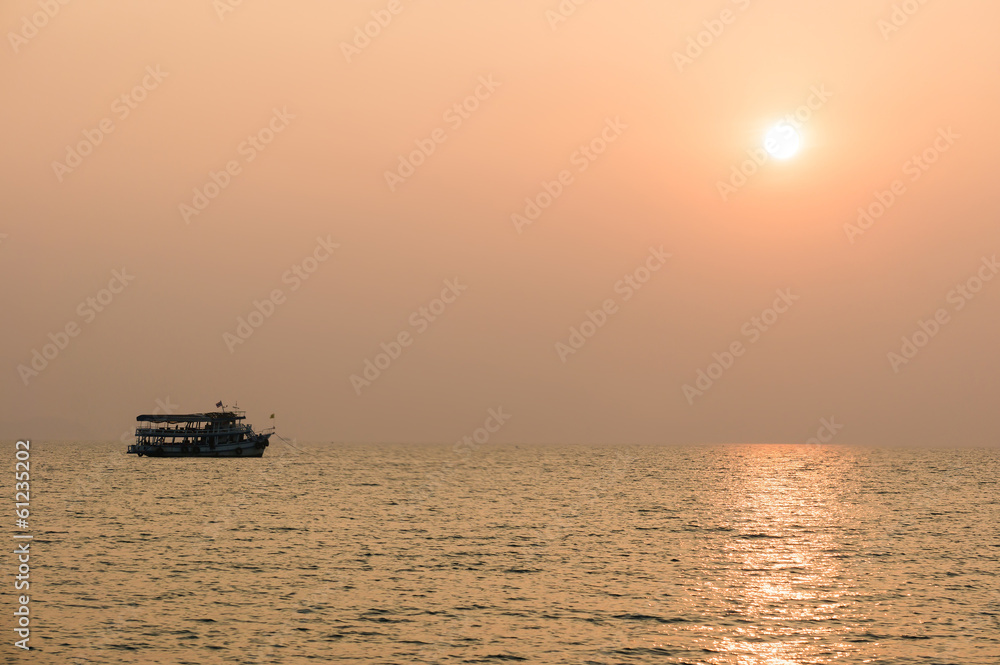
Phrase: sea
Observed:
(583, 555)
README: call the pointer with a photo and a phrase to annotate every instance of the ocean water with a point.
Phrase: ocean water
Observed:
(743, 555)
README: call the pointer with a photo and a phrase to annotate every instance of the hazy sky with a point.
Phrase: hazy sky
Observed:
(183, 165)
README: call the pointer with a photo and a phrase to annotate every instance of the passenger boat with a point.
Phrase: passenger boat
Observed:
(213, 434)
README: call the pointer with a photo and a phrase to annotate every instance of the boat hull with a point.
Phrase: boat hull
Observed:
(251, 447)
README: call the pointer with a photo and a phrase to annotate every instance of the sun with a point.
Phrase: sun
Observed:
(782, 141)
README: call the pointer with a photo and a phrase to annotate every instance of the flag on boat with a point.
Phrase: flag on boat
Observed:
(219, 404)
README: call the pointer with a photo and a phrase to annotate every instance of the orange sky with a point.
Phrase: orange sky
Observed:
(308, 118)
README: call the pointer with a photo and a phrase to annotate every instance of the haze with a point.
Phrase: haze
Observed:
(666, 138)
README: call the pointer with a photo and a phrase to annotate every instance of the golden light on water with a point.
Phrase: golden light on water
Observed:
(648, 236)
(774, 576)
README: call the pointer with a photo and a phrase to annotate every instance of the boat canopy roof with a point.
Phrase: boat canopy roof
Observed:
(191, 417)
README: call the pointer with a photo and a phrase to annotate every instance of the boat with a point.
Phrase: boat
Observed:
(211, 434)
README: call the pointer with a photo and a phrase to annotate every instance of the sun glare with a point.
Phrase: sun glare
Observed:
(782, 141)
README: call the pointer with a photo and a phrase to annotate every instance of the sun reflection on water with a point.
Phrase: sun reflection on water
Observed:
(781, 591)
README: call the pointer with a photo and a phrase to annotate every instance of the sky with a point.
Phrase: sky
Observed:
(380, 220)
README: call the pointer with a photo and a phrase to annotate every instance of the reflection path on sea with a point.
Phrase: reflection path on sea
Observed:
(724, 555)
(808, 554)
(784, 590)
